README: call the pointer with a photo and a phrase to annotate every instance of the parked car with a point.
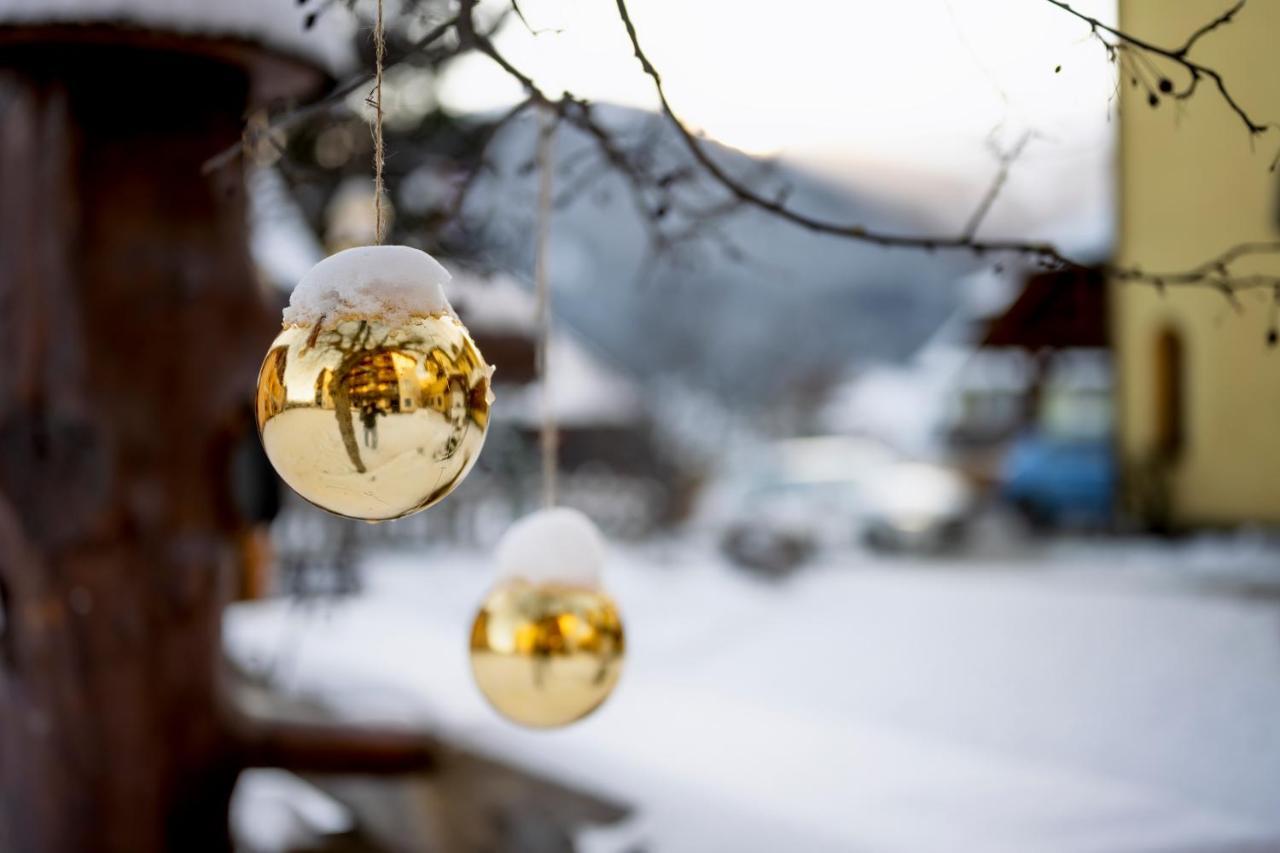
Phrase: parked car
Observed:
(811, 494)
(1060, 481)
(918, 507)
(804, 495)
(1062, 471)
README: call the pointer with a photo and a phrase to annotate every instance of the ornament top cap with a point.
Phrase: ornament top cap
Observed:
(387, 283)
(558, 545)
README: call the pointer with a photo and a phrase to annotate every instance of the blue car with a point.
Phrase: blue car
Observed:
(1060, 481)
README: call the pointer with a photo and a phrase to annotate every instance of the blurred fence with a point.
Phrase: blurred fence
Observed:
(318, 553)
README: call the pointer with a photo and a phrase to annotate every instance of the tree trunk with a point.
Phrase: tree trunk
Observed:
(130, 331)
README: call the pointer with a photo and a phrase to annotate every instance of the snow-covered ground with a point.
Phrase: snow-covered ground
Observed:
(1087, 697)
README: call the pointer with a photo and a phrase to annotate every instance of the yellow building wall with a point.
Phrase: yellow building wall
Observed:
(1191, 185)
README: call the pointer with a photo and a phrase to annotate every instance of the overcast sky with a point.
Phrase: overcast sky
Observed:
(841, 74)
(901, 93)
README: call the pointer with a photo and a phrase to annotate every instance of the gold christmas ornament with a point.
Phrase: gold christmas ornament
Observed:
(547, 645)
(373, 401)
(546, 655)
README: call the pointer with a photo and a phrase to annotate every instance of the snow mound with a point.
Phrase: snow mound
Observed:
(386, 283)
(557, 545)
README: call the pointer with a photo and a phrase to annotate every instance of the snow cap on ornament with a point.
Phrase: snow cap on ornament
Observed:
(390, 284)
(552, 546)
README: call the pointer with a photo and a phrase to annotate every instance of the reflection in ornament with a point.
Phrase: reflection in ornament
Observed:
(371, 420)
(546, 654)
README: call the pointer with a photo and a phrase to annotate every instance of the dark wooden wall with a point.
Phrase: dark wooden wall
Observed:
(130, 332)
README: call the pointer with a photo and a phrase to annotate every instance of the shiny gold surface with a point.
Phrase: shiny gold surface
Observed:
(545, 655)
(371, 421)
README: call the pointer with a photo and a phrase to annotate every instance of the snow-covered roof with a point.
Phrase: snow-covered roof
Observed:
(277, 24)
(493, 303)
(584, 388)
(584, 391)
(281, 241)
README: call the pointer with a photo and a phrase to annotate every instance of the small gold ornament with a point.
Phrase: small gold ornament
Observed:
(545, 654)
(547, 644)
(371, 415)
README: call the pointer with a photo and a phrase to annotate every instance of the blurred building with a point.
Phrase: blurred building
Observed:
(613, 464)
(1198, 400)
(1014, 393)
(1054, 460)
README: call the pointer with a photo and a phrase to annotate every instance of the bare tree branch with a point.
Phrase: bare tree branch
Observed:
(1195, 71)
(1006, 160)
(655, 193)
(701, 153)
(533, 31)
(294, 117)
(1214, 273)
(482, 163)
(1224, 18)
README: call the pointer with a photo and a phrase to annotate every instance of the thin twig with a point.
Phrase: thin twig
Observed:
(487, 138)
(1195, 70)
(1224, 18)
(338, 95)
(533, 31)
(1006, 160)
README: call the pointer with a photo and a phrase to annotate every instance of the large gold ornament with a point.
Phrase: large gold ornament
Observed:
(374, 421)
(546, 654)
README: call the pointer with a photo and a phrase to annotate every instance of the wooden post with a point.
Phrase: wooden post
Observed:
(131, 329)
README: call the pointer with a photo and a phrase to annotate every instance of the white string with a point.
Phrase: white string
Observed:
(379, 50)
(549, 437)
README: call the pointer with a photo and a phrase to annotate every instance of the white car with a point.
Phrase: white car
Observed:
(803, 495)
(917, 506)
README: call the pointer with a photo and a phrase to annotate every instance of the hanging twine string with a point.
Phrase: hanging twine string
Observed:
(549, 437)
(379, 52)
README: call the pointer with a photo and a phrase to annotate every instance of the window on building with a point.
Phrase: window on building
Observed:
(1170, 395)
